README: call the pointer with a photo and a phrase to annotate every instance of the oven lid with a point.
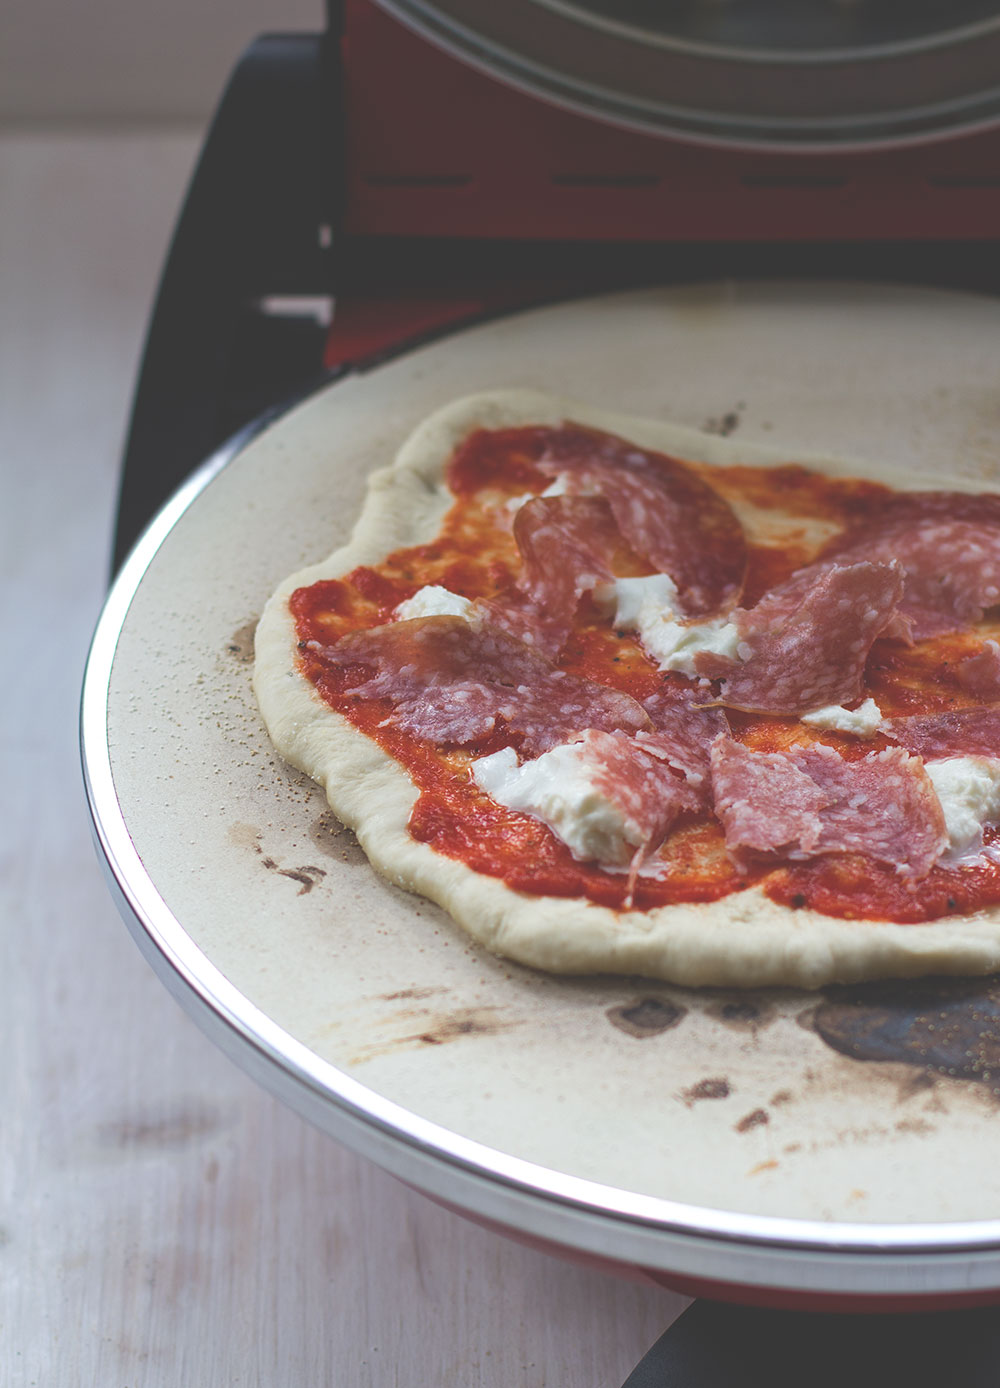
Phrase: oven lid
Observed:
(821, 73)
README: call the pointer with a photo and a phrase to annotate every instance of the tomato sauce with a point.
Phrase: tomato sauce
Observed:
(475, 555)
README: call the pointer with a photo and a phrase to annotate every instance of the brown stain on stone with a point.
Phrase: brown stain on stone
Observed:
(440, 1030)
(716, 1087)
(918, 1127)
(761, 1167)
(646, 1016)
(244, 835)
(945, 1027)
(468, 1022)
(240, 644)
(307, 876)
(757, 1118)
(742, 1013)
(411, 994)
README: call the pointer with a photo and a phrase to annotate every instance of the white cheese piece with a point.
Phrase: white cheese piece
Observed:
(863, 721)
(434, 601)
(673, 645)
(969, 791)
(560, 487)
(558, 788)
(630, 600)
(648, 606)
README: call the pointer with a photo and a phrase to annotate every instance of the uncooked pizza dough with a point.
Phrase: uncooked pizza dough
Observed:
(743, 939)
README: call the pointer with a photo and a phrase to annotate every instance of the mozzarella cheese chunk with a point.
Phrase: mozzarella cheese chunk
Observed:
(648, 606)
(560, 487)
(559, 789)
(969, 791)
(434, 601)
(862, 721)
(673, 645)
(629, 600)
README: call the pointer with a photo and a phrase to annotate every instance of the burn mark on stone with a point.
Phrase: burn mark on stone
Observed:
(439, 1030)
(944, 1026)
(307, 876)
(646, 1016)
(468, 1022)
(713, 1088)
(408, 994)
(757, 1118)
(742, 1013)
(724, 424)
(240, 644)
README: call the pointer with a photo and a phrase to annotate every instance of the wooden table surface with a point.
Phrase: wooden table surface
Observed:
(164, 1221)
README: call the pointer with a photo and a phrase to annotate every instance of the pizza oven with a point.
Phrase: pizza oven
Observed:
(419, 170)
(426, 165)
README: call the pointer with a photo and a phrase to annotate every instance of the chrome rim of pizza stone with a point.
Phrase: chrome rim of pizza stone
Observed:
(718, 1141)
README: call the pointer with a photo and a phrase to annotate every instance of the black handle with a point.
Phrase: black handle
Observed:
(717, 1346)
(257, 222)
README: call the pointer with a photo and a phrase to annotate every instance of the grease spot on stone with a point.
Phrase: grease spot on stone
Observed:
(646, 1016)
(716, 1087)
(240, 644)
(244, 835)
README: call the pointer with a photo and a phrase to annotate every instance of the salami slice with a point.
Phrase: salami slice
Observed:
(645, 789)
(664, 510)
(456, 682)
(966, 732)
(567, 544)
(949, 546)
(810, 801)
(682, 735)
(805, 645)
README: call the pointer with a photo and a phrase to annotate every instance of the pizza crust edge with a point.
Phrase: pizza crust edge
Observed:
(743, 939)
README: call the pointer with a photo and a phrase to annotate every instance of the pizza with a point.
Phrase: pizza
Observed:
(625, 697)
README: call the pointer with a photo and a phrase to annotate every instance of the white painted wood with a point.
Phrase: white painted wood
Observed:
(165, 1222)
